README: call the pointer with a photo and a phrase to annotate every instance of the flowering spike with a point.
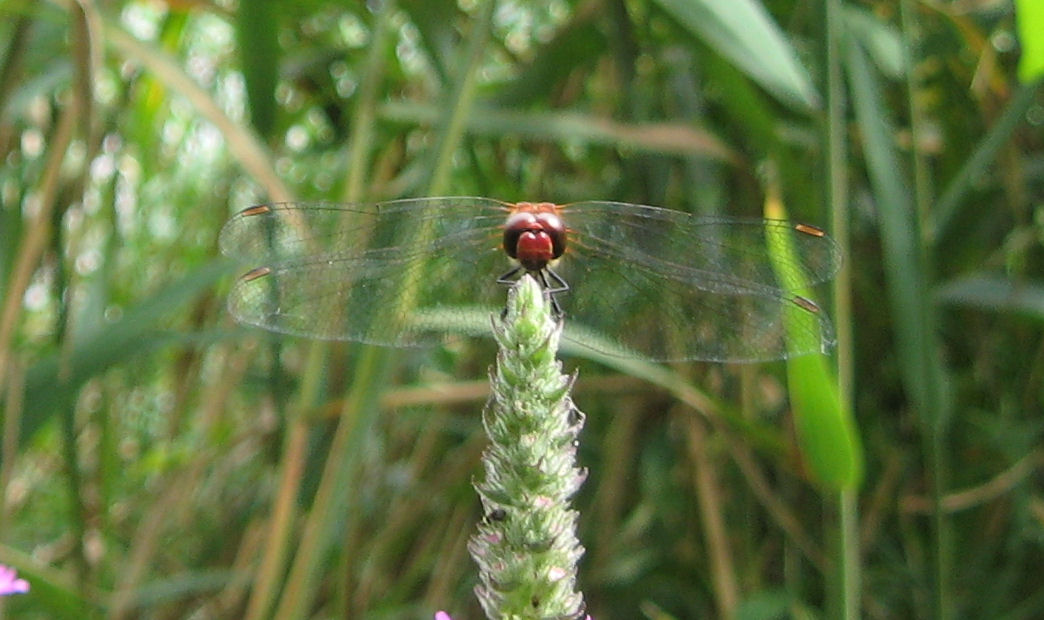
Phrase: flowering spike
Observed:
(526, 546)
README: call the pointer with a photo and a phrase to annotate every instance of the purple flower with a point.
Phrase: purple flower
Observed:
(10, 583)
(441, 615)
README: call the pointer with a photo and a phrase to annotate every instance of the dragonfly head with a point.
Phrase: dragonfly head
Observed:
(534, 235)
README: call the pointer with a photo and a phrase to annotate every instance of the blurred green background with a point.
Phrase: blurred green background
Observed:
(159, 461)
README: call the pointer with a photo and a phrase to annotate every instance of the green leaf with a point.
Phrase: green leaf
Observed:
(882, 41)
(743, 32)
(1030, 22)
(51, 593)
(660, 138)
(826, 430)
(995, 292)
(259, 54)
(904, 260)
(825, 427)
(574, 47)
(57, 379)
(434, 20)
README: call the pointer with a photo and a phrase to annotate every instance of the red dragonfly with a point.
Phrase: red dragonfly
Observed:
(628, 279)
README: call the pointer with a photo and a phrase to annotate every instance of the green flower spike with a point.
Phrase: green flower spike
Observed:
(526, 546)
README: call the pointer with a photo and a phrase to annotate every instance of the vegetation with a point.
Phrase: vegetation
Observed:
(160, 461)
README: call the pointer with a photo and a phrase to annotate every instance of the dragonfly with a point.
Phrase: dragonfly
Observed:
(626, 279)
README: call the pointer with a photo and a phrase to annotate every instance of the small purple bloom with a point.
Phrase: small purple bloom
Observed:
(10, 583)
(441, 615)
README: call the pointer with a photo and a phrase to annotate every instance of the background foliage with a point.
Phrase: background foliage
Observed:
(160, 461)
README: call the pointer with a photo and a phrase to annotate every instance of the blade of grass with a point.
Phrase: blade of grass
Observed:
(825, 428)
(459, 107)
(743, 32)
(284, 510)
(1030, 21)
(360, 143)
(335, 487)
(882, 41)
(665, 138)
(35, 243)
(711, 502)
(276, 556)
(996, 293)
(14, 58)
(849, 573)
(907, 280)
(960, 188)
(243, 144)
(259, 55)
(57, 378)
(909, 57)
(437, 31)
(903, 255)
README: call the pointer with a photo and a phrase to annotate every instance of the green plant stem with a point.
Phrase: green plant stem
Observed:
(907, 270)
(336, 484)
(961, 187)
(938, 420)
(454, 121)
(273, 562)
(847, 553)
(332, 496)
(364, 114)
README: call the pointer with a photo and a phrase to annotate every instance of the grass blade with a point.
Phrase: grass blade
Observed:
(743, 32)
(906, 280)
(825, 428)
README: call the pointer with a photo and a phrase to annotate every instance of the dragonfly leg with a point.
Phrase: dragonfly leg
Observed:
(550, 281)
(553, 284)
(509, 277)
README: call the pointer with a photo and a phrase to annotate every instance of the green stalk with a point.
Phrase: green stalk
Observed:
(938, 417)
(333, 495)
(284, 509)
(849, 576)
(276, 556)
(336, 486)
(961, 187)
(907, 272)
(364, 117)
(526, 546)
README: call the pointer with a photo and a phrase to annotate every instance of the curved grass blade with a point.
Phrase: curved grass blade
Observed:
(743, 32)
(826, 430)
(1030, 21)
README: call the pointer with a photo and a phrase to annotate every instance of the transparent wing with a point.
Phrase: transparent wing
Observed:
(650, 282)
(667, 285)
(391, 273)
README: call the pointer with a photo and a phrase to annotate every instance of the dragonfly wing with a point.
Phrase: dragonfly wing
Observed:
(393, 273)
(729, 255)
(671, 286)
(647, 315)
(287, 230)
